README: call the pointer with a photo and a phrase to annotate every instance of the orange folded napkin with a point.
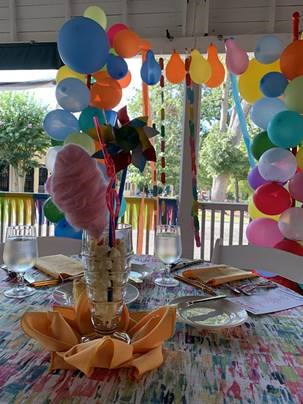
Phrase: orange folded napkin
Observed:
(215, 275)
(60, 332)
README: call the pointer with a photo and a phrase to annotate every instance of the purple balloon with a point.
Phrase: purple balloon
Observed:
(254, 178)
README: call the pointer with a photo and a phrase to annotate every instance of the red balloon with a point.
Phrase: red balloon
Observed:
(290, 246)
(272, 198)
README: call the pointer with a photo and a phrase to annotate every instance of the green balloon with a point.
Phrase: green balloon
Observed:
(294, 95)
(51, 212)
(260, 144)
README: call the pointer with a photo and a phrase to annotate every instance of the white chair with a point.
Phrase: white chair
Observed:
(58, 245)
(283, 263)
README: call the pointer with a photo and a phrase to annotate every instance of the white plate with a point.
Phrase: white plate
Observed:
(63, 295)
(211, 315)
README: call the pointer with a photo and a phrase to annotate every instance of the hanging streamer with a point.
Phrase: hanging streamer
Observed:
(190, 102)
(241, 117)
(162, 125)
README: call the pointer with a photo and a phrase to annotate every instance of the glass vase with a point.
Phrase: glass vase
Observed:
(105, 273)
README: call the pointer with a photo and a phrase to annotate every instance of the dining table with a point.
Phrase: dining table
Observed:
(259, 361)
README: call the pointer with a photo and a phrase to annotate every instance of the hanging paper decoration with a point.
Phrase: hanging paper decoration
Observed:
(162, 124)
(175, 69)
(191, 124)
(217, 68)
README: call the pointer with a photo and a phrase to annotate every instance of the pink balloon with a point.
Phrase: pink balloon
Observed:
(113, 30)
(263, 232)
(296, 187)
(236, 58)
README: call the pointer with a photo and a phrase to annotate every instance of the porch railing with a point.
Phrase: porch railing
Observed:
(217, 220)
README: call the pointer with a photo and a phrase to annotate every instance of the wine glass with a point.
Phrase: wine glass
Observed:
(168, 249)
(19, 255)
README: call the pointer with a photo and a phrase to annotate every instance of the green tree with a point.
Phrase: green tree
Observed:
(22, 139)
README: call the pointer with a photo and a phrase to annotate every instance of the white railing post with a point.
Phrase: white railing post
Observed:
(186, 197)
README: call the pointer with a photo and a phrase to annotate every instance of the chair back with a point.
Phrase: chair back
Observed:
(283, 263)
(58, 245)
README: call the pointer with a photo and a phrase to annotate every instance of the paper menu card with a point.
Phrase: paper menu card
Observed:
(271, 301)
(215, 275)
(59, 266)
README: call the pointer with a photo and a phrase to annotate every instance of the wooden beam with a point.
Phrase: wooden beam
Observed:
(12, 20)
(272, 16)
(184, 17)
(125, 12)
(67, 9)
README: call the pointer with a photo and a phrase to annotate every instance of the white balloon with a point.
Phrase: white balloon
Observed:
(51, 156)
(277, 164)
(291, 223)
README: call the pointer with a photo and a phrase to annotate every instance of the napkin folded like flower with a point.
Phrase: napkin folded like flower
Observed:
(60, 332)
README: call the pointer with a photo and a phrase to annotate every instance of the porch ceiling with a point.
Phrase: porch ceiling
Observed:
(192, 23)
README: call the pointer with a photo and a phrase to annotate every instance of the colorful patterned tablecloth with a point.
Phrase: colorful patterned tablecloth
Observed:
(258, 362)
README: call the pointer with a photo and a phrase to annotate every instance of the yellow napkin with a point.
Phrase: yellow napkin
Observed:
(60, 332)
(59, 266)
(218, 274)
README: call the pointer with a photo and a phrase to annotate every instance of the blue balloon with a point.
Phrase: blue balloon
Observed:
(286, 129)
(116, 67)
(273, 84)
(264, 110)
(64, 229)
(122, 208)
(111, 117)
(83, 45)
(72, 95)
(268, 49)
(58, 124)
(150, 70)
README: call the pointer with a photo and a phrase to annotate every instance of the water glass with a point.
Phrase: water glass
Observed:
(19, 254)
(168, 249)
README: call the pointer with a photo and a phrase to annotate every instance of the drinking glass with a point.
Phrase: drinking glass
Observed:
(168, 249)
(19, 255)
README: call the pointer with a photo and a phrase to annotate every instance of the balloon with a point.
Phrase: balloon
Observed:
(64, 229)
(264, 110)
(277, 164)
(116, 67)
(65, 72)
(272, 198)
(255, 213)
(260, 144)
(290, 246)
(122, 207)
(101, 74)
(200, 69)
(86, 118)
(150, 70)
(83, 140)
(254, 178)
(295, 186)
(113, 30)
(299, 158)
(236, 58)
(286, 129)
(291, 223)
(125, 81)
(249, 82)
(291, 60)
(126, 43)
(106, 94)
(263, 232)
(50, 157)
(96, 14)
(58, 124)
(51, 211)
(72, 95)
(294, 95)
(83, 45)
(175, 69)
(217, 68)
(273, 84)
(268, 49)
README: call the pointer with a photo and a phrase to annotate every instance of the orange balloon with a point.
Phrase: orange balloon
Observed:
(106, 93)
(175, 69)
(127, 43)
(217, 68)
(291, 60)
(100, 75)
(125, 81)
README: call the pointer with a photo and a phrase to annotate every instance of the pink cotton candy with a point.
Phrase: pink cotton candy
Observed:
(78, 188)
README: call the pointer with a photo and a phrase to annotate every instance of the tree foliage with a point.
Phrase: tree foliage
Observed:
(22, 138)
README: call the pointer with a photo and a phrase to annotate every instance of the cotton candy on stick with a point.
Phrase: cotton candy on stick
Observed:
(78, 188)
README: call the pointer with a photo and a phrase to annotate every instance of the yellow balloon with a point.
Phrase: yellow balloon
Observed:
(200, 68)
(83, 140)
(97, 14)
(299, 158)
(254, 212)
(249, 81)
(65, 72)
